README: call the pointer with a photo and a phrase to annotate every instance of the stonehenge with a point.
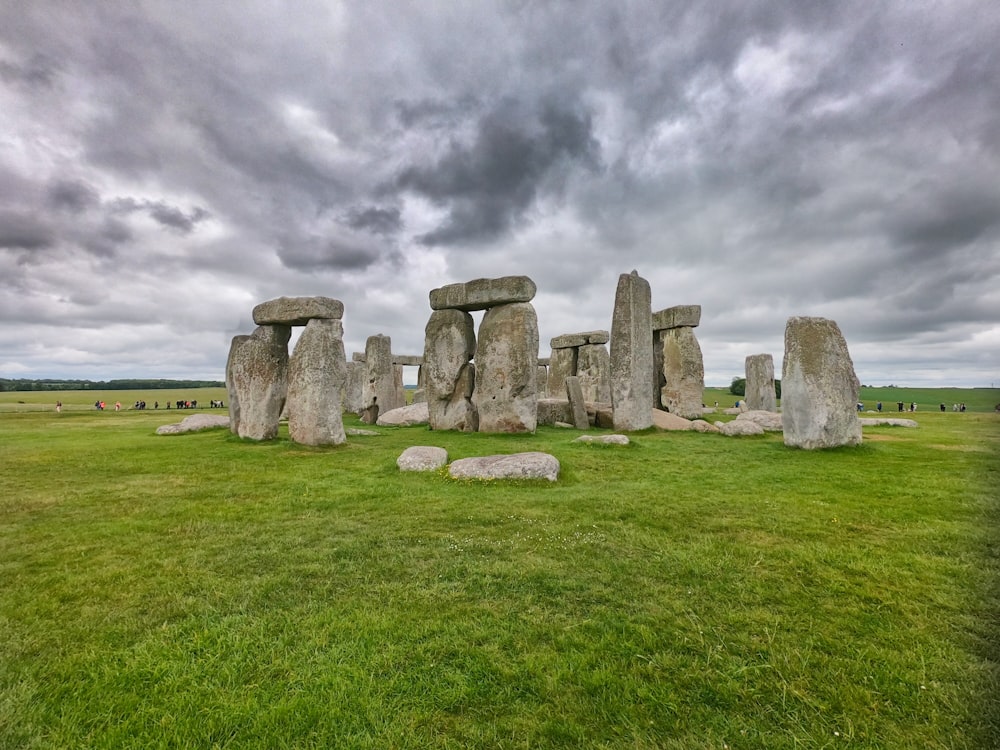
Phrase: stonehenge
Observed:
(759, 391)
(631, 354)
(585, 356)
(679, 368)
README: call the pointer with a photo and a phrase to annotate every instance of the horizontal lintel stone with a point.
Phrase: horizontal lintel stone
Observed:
(680, 316)
(571, 340)
(482, 294)
(297, 311)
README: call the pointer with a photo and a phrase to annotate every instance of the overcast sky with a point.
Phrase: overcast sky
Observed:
(166, 166)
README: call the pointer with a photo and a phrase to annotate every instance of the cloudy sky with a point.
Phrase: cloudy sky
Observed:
(165, 166)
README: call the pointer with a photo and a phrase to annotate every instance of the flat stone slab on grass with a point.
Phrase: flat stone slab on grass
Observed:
(194, 423)
(700, 425)
(358, 432)
(886, 422)
(422, 458)
(604, 439)
(532, 465)
(405, 416)
(664, 420)
(739, 428)
(769, 420)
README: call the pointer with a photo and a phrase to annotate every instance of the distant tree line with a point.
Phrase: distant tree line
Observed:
(739, 387)
(128, 384)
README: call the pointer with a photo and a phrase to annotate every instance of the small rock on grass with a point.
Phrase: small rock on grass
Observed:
(422, 458)
(603, 439)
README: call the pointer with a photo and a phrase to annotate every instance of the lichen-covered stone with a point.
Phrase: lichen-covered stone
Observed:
(482, 294)
(317, 374)
(234, 399)
(571, 340)
(593, 367)
(760, 393)
(506, 391)
(578, 408)
(677, 317)
(562, 364)
(449, 375)
(532, 465)
(259, 376)
(422, 458)
(683, 373)
(382, 388)
(632, 354)
(297, 311)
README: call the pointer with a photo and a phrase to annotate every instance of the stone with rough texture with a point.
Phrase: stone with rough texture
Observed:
(887, 422)
(679, 316)
(317, 371)
(683, 373)
(422, 458)
(573, 340)
(542, 381)
(604, 439)
(409, 360)
(632, 354)
(533, 465)
(382, 389)
(449, 375)
(562, 364)
(482, 294)
(578, 408)
(760, 393)
(259, 372)
(552, 410)
(739, 427)
(506, 391)
(354, 387)
(593, 367)
(234, 399)
(819, 389)
(404, 416)
(194, 423)
(297, 311)
(700, 425)
(664, 420)
(769, 420)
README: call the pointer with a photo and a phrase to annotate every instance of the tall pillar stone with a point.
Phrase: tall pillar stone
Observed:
(759, 392)
(449, 375)
(380, 393)
(562, 364)
(819, 389)
(543, 381)
(354, 387)
(506, 393)
(683, 373)
(593, 368)
(632, 354)
(234, 399)
(259, 370)
(317, 374)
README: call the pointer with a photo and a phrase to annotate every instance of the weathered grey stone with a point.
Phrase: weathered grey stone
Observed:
(683, 373)
(700, 425)
(886, 422)
(234, 400)
(383, 385)
(562, 364)
(604, 439)
(739, 427)
(632, 354)
(259, 373)
(354, 387)
(688, 316)
(357, 431)
(420, 392)
(297, 311)
(760, 394)
(317, 374)
(769, 420)
(593, 367)
(819, 390)
(410, 360)
(543, 381)
(543, 361)
(449, 345)
(194, 423)
(664, 420)
(506, 391)
(404, 416)
(532, 465)
(482, 294)
(572, 340)
(552, 410)
(422, 458)
(577, 406)
(604, 417)
(358, 357)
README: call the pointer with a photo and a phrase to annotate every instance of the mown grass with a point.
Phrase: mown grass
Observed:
(686, 591)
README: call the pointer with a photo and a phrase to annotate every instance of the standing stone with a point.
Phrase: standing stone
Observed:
(380, 393)
(317, 374)
(576, 403)
(449, 375)
(260, 380)
(543, 381)
(683, 373)
(399, 390)
(562, 364)
(632, 354)
(234, 400)
(759, 370)
(506, 393)
(658, 380)
(819, 389)
(593, 368)
(354, 387)
(420, 393)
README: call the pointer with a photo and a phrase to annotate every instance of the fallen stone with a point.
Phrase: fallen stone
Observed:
(422, 458)
(297, 311)
(664, 420)
(769, 420)
(604, 439)
(404, 416)
(482, 294)
(700, 425)
(532, 465)
(886, 422)
(739, 427)
(194, 423)
(563, 425)
(356, 431)
(678, 316)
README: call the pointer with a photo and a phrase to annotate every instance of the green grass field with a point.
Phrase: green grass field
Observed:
(686, 591)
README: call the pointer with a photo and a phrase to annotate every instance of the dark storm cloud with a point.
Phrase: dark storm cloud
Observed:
(24, 232)
(164, 214)
(375, 219)
(516, 154)
(37, 71)
(72, 195)
(319, 253)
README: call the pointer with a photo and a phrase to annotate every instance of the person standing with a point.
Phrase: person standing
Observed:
(58, 406)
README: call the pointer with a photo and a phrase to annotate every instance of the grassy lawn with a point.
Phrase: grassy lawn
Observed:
(686, 591)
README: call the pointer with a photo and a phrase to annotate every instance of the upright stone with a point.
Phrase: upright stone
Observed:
(593, 368)
(420, 393)
(399, 390)
(234, 399)
(317, 374)
(380, 393)
(449, 375)
(683, 373)
(760, 395)
(543, 381)
(632, 354)
(506, 392)
(562, 364)
(577, 405)
(259, 370)
(354, 387)
(819, 389)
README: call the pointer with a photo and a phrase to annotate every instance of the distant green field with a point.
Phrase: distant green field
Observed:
(19, 401)
(926, 399)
